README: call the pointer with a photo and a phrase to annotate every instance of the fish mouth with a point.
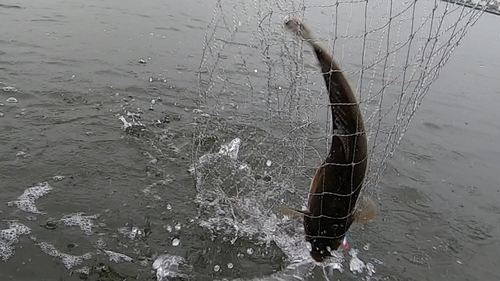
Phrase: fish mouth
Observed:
(320, 257)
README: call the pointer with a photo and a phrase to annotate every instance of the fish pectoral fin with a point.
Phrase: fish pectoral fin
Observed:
(366, 210)
(291, 212)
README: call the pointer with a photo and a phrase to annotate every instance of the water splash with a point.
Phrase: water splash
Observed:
(234, 204)
(231, 149)
(167, 266)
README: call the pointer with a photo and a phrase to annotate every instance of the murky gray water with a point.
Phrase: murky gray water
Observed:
(77, 67)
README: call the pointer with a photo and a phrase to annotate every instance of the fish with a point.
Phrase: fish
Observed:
(335, 201)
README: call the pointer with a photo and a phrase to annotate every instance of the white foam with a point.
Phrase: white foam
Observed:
(83, 222)
(84, 270)
(100, 243)
(117, 257)
(9, 237)
(69, 261)
(26, 202)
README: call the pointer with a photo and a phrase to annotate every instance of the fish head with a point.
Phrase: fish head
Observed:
(295, 25)
(322, 248)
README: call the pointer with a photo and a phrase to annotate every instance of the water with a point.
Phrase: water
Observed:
(114, 202)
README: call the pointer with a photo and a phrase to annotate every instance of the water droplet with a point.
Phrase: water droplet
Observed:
(176, 242)
(249, 251)
(255, 70)
(268, 163)
(230, 265)
(178, 226)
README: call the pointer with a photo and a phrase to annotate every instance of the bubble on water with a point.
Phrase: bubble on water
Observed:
(117, 257)
(26, 202)
(269, 163)
(11, 100)
(366, 247)
(216, 268)
(83, 222)
(249, 251)
(1, 114)
(176, 242)
(58, 178)
(69, 261)
(169, 207)
(169, 228)
(230, 265)
(178, 227)
(167, 266)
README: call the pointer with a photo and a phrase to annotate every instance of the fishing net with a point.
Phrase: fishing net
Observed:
(264, 123)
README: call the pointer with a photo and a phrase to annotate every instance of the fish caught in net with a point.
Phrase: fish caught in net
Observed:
(266, 125)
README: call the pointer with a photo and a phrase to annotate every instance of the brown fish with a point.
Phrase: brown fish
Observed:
(334, 197)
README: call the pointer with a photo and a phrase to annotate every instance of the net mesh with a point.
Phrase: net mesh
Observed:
(257, 83)
(391, 51)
